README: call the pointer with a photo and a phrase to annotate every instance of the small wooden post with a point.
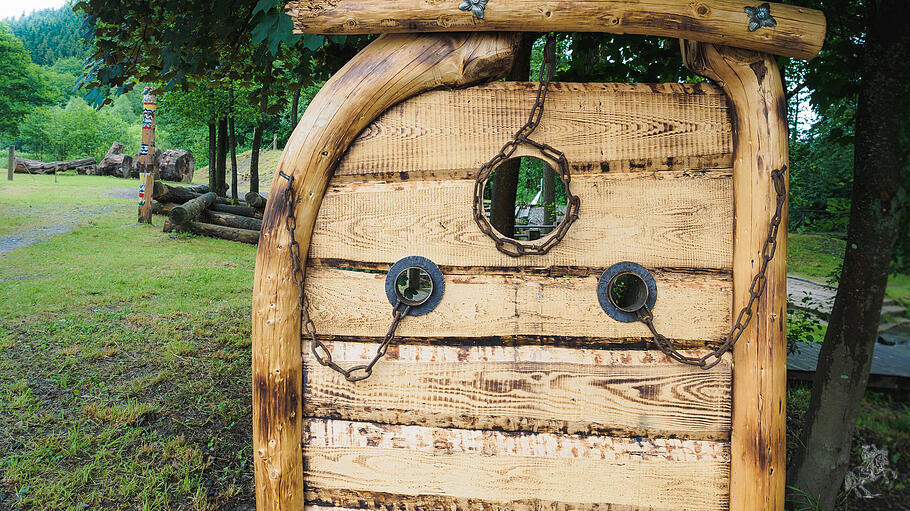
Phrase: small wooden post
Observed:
(12, 163)
(274, 142)
(146, 155)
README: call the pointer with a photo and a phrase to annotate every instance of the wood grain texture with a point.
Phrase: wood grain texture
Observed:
(660, 473)
(601, 127)
(758, 440)
(689, 307)
(524, 388)
(800, 32)
(666, 219)
(389, 70)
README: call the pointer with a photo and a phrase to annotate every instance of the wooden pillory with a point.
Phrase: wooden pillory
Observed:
(518, 391)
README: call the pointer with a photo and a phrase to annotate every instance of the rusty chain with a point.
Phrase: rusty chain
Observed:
(756, 288)
(320, 350)
(504, 244)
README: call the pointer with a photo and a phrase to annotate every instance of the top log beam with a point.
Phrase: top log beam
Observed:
(799, 31)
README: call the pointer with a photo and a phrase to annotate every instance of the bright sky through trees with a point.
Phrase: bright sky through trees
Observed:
(16, 8)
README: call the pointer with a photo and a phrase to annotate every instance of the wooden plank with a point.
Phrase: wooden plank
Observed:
(666, 219)
(524, 388)
(758, 439)
(499, 467)
(601, 127)
(798, 31)
(387, 71)
(689, 307)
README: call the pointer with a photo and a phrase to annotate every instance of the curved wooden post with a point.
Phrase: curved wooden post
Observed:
(389, 70)
(752, 81)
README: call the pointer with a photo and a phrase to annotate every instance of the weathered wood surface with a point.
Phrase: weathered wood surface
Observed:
(389, 70)
(669, 219)
(753, 83)
(255, 200)
(191, 209)
(524, 388)
(799, 31)
(26, 166)
(214, 231)
(494, 466)
(602, 127)
(232, 220)
(237, 210)
(690, 307)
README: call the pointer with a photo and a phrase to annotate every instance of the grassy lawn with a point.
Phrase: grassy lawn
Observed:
(124, 358)
(819, 257)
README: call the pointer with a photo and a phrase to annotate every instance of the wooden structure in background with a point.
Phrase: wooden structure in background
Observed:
(146, 155)
(518, 392)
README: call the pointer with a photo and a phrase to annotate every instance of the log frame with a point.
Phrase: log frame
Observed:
(394, 68)
(389, 70)
(798, 31)
(758, 441)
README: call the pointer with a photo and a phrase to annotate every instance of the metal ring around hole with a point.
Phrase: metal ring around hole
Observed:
(432, 270)
(606, 281)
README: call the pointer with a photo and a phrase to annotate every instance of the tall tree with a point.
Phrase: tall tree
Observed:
(880, 158)
(21, 87)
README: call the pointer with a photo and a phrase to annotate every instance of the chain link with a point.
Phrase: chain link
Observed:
(320, 350)
(756, 288)
(507, 245)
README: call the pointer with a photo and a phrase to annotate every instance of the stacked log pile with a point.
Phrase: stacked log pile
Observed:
(195, 209)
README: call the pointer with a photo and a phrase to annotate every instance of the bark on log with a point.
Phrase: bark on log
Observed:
(389, 70)
(232, 220)
(255, 200)
(198, 188)
(176, 194)
(797, 31)
(191, 209)
(25, 166)
(162, 208)
(215, 231)
(237, 210)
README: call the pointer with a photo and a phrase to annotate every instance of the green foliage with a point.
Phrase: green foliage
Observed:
(50, 35)
(76, 131)
(21, 86)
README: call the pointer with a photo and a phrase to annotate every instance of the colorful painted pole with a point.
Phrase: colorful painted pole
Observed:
(146, 155)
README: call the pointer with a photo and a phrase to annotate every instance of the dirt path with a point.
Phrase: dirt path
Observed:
(65, 220)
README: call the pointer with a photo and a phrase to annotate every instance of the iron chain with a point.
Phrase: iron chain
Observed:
(756, 288)
(504, 244)
(320, 351)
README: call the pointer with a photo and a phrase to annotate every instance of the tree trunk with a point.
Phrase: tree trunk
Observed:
(255, 200)
(191, 209)
(232, 220)
(24, 166)
(221, 157)
(846, 355)
(215, 231)
(213, 144)
(505, 178)
(295, 103)
(233, 143)
(237, 210)
(257, 131)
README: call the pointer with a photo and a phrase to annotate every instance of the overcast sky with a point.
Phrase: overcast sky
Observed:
(15, 8)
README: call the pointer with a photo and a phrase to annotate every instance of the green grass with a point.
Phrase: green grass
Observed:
(124, 357)
(818, 257)
(268, 165)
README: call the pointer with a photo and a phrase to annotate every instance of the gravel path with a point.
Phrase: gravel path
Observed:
(66, 220)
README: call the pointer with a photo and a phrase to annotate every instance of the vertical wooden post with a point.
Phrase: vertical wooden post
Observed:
(146, 156)
(387, 71)
(752, 82)
(12, 163)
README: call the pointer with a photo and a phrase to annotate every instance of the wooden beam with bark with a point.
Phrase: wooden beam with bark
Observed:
(25, 166)
(795, 31)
